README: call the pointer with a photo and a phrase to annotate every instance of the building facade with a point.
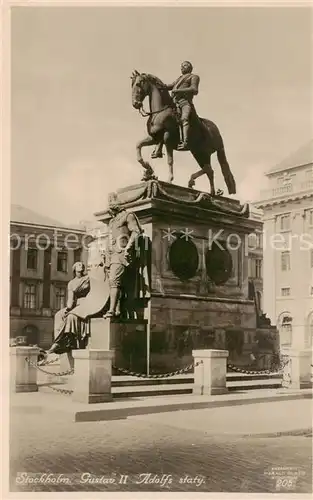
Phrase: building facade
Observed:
(255, 256)
(287, 207)
(42, 254)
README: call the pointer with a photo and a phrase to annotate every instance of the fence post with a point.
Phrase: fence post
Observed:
(92, 375)
(210, 373)
(298, 369)
(24, 375)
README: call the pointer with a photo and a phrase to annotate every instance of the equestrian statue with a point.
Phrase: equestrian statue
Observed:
(173, 122)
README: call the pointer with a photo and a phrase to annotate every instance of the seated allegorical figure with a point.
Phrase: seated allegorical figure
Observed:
(70, 330)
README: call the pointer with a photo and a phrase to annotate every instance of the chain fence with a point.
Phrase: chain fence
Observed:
(56, 374)
(180, 371)
(238, 369)
(273, 371)
(283, 369)
(121, 370)
(278, 365)
(46, 362)
(68, 392)
(278, 368)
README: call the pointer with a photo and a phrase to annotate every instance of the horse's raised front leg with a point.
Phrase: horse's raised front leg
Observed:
(193, 178)
(147, 141)
(170, 156)
(149, 172)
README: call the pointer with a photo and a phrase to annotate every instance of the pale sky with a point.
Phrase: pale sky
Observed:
(73, 126)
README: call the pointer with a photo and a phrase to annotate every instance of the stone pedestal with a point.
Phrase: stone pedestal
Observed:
(100, 333)
(23, 374)
(92, 377)
(297, 373)
(189, 298)
(210, 375)
(66, 362)
(126, 339)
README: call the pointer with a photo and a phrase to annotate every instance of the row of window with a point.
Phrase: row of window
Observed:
(289, 178)
(32, 260)
(255, 268)
(285, 331)
(285, 220)
(255, 265)
(286, 291)
(286, 261)
(31, 294)
(286, 334)
(255, 240)
(285, 223)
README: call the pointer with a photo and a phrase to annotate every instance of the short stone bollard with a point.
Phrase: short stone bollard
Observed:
(297, 371)
(23, 373)
(210, 371)
(92, 376)
(91, 381)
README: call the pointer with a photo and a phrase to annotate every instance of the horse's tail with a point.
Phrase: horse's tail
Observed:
(227, 174)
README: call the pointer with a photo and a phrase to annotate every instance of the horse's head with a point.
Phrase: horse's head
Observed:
(140, 88)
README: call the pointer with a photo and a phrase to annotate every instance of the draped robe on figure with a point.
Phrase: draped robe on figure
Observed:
(70, 330)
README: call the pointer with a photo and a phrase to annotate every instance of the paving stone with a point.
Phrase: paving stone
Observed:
(179, 444)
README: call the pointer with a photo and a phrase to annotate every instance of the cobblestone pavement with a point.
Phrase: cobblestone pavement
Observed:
(176, 451)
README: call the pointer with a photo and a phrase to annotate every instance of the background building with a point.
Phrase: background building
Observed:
(255, 253)
(42, 255)
(287, 207)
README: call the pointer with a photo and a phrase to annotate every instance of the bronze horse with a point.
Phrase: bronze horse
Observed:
(163, 125)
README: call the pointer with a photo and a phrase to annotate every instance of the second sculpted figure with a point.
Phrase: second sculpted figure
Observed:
(124, 230)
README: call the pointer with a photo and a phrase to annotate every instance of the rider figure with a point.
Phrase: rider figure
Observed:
(183, 90)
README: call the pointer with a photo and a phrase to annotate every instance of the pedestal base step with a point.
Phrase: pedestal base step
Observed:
(151, 390)
(132, 387)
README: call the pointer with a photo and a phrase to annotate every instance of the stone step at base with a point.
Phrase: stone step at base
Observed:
(236, 376)
(125, 381)
(159, 387)
(243, 385)
(161, 390)
(136, 381)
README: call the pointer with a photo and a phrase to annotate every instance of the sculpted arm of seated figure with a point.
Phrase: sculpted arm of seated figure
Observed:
(70, 299)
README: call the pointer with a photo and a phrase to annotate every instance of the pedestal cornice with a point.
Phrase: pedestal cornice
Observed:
(155, 198)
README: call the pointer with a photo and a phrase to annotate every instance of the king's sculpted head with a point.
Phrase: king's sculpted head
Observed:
(186, 67)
